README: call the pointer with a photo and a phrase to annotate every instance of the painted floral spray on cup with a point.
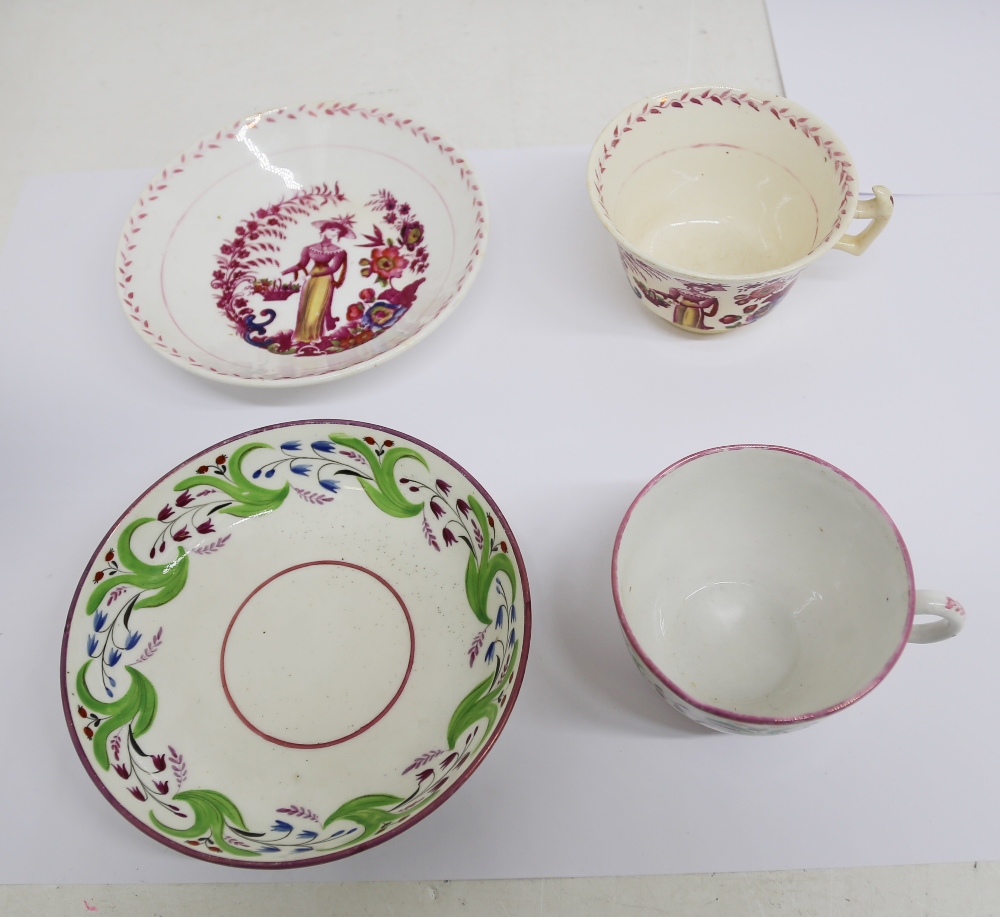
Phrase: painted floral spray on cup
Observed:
(719, 197)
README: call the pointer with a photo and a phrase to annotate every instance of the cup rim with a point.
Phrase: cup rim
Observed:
(732, 715)
(608, 136)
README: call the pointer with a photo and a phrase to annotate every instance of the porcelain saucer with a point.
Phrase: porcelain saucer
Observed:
(301, 244)
(296, 644)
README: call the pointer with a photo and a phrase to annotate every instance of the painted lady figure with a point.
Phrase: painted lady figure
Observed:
(690, 308)
(316, 299)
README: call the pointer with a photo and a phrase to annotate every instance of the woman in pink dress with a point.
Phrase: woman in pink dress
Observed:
(328, 259)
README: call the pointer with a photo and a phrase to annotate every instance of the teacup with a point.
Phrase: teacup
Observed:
(719, 197)
(761, 589)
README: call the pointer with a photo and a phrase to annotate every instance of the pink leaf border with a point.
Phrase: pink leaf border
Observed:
(140, 210)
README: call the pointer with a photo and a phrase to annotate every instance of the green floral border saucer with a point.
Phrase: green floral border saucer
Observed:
(296, 644)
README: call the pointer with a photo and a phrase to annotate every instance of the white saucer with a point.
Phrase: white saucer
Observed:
(301, 244)
(295, 645)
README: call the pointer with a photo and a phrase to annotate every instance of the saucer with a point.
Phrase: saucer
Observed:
(296, 644)
(301, 244)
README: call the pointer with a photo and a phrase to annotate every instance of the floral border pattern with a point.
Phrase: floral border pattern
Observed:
(141, 209)
(694, 305)
(255, 246)
(208, 822)
(721, 97)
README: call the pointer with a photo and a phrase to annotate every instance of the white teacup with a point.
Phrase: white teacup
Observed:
(761, 589)
(719, 197)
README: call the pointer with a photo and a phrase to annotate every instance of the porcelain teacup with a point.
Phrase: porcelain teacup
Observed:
(719, 197)
(761, 589)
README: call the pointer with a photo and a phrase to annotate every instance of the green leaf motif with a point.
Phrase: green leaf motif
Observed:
(384, 492)
(480, 703)
(479, 574)
(249, 499)
(212, 812)
(138, 704)
(368, 812)
(162, 581)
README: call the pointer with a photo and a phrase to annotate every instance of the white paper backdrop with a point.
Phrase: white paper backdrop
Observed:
(563, 396)
(909, 86)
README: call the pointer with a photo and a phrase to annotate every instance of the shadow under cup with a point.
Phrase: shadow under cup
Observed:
(761, 583)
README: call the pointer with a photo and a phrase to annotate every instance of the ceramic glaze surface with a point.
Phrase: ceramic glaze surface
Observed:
(718, 197)
(752, 578)
(760, 588)
(296, 644)
(314, 629)
(301, 244)
(718, 210)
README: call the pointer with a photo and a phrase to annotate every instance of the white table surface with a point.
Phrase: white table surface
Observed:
(86, 89)
(563, 396)
(908, 86)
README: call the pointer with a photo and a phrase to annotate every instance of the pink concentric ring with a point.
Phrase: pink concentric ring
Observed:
(446, 794)
(731, 714)
(432, 142)
(363, 728)
(637, 116)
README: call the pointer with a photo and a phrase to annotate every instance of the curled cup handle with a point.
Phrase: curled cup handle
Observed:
(878, 210)
(950, 613)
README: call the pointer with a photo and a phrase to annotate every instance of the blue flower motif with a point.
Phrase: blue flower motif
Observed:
(113, 657)
(133, 638)
(269, 473)
(91, 645)
(382, 314)
(324, 446)
(256, 474)
(292, 446)
(489, 652)
(112, 682)
(307, 836)
(282, 826)
(500, 618)
(513, 637)
(108, 692)
(302, 849)
(330, 485)
(269, 849)
(99, 619)
(513, 612)
(299, 469)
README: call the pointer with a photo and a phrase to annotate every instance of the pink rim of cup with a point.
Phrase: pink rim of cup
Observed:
(908, 634)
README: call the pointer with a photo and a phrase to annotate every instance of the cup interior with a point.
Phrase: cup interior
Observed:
(762, 582)
(720, 183)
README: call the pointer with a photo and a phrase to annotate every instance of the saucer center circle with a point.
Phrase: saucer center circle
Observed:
(317, 654)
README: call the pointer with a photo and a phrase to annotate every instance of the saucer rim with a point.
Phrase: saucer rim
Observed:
(392, 832)
(184, 157)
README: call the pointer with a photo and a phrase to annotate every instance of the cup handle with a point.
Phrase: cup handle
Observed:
(952, 617)
(878, 209)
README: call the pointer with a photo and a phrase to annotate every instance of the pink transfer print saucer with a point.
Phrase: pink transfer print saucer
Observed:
(301, 244)
(296, 644)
